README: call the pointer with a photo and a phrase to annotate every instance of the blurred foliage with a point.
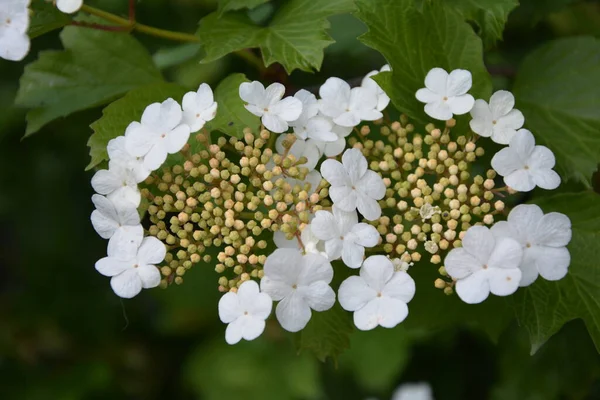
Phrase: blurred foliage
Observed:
(64, 335)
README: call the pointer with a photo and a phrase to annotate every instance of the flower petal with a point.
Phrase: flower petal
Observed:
(377, 271)
(365, 235)
(343, 197)
(274, 123)
(524, 220)
(523, 144)
(315, 268)
(401, 286)
(111, 266)
(521, 180)
(439, 110)
(155, 157)
(354, 293)
(347, 119)
(367, 206)
(105, 181)
(479, 242)
(324, 225)
(283, 265)
(355, 164)
(459, 82)
(482, 119)
(553, 229)
(385, 311)
(541, 158)
(504, 281)
(177, 138)
(334, 172)
(345, 220)
(149, 275)
(151, 251)
(352, 254)
(460, 105)
(229, 307)
(277, 290)
(274, 93)
(459, 263)
(233, 332)
(501, 103)
(127, 284)
(425, 95)
(288, 109)
(506, 161)
(293, 313)
(253, 93)
(551, 262)
(474, 288)
(251, 327)
(371, 184)
(545, 178)
(318, 295)
(437, 80)
(507, 254)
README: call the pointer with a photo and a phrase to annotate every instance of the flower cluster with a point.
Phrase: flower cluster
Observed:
(321, 187)
(14, 23)
(164, 128)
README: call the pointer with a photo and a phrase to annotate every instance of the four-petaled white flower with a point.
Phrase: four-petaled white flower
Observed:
(117, 183)
(300, 148)
(368, 83)
(14, 22)
(198, 107)
(275, 113)
(413, 391)
(484, 264)
(69, 6)
(543, 238)
(353, 186)
(118, 155)
(300, 283)
(525, 165)
(332, 149)
(446, 94)
(309, 124)
(120, 223)
(245, 312)
(160, 133)
(499, 119)
(344, 236)
(348, 107)
(378, 296)
(132, 271)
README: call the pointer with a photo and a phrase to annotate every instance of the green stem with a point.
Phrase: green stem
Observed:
(135, 26)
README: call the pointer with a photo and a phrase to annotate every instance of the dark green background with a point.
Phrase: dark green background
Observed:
(65, 335)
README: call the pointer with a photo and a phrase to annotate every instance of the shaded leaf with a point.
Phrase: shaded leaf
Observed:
(232, 5)
(45, 17)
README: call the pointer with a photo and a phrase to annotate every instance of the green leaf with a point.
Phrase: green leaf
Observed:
(257, 370)
(327, 333)
(232, 117)
(569, 123)
(544, 307)
(45, 17)
(232, 5)
(120, 113)
(295, 37)
(95, 67)
(376, 358)
(489, 15)
(414, 42)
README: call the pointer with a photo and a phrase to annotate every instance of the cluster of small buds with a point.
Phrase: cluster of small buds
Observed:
(431, 194)
(226, 197)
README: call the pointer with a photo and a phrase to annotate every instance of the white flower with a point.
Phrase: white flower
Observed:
(543, 238)
(378, 296)
(131, 271)
(332, 149)
(525, 165)
(118, 222)
(118, 154)
(69, 6)
(245, 312)
(301, 282)
(353, 186)
(266, 103)
(484, 264)
(310, 125)
(426, 211)
(300, 148)
(344, 236)
(348, 107)
(499, 119)
(198, 107)
(311, 243)
(382, 98)
(413, 391)
(117, 183)
(14, 22)
(446, 94)
(159, 133)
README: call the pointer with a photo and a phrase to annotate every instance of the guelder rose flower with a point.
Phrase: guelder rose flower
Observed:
(413, 391)
(118, 155)
(266, 103)
(543, 238)
(117, 183)
(525, 165)
(118, 222)
(159, 133)
(245, 312)
(499, 119)
(368, 83)
(378, 296)
(344, 236)
(348, 107)
(14, 22)
(484, 264)
(300, 283)
(198, 107)
(310, 125)
(69, 6)
(446, 94)
(131, 271)
(353, 186)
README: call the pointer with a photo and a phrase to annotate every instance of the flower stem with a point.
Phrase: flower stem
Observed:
(135, 26)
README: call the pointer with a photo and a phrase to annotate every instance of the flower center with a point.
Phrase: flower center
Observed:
(294, 286)
(164, 135)
(379, 294)
(198, 115)
(266, 109)
(485, 266)
(124, 183)
(136, 265)
(8, 21)
(245, 312)
(508, 278)
(445, 98)
(528, 245)
(494, 122)
(341, 237)
(526, 167)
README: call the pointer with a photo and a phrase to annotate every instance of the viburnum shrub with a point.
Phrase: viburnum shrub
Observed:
(366, 193)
